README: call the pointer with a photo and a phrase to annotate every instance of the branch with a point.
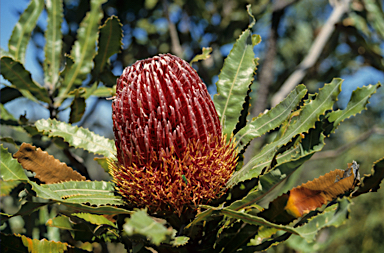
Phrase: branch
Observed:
(176, 48)
(345, 147)
(340, 8)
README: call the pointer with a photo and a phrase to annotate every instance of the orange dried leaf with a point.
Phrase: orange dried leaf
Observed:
(48, 169)
(315, 193)
(312, 195)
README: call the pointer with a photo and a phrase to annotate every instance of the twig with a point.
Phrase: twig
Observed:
(340, 8)
(345, 147)
(176, 48)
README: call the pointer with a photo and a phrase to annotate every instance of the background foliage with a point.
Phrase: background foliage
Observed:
(354, 51)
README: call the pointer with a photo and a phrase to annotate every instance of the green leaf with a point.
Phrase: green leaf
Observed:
(234, 82)
(371, 183)
(79, 192)
(180, 241)
(94, 219)
(21, 243)
(142, 224)
(21, 79)
(286, 163)
(10, 169)
(203, 56)
(78, 137)
(5, 114)
(109, 43)
(17, 44)
(358, 101)
(53, 43)
(9, 94)
(272, 119)
(335, 215)
(82, 51)
(306, 120)
(104, 92)
(61, 222)
(7, 186)
(77, 106)
(109, 210)
(255, 220)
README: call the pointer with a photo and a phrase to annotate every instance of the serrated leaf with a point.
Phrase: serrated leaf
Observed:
(110, 42)
(77, 106)
(335, 215)
(272, 119)
(180, 241)
(358, 101)
(7, 186)
(286, 163)
(10, 169)
(306, 120)
(17, 44)
(46, 168)
(105, 210)
(82, 51)
(255, 220)
(21, 79)
(79, 192)
(203, 56)
(234, 82)
(371, 183)
(141, 224)
(21, 243)
(78, 137)
(94, 219)
(53, 43)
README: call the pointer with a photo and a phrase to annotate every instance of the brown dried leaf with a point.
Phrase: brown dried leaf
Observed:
(48, 169)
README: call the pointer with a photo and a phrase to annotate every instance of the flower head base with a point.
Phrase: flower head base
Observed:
(170, 148)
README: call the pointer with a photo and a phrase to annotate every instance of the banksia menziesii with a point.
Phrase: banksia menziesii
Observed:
(170, 148)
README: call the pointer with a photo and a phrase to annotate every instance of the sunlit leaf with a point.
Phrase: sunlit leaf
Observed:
(234, 82)
(94, 219)
(203, 56)
(17, 44)
(7, 186)
(82, 51)
(10, 169)
(78, 137)
(270, 120)
(309, 115)
(53, 43)
(141, 224)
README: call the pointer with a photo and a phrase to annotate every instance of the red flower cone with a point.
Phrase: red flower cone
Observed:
(170, 148)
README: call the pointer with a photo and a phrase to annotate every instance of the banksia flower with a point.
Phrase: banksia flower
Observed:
(170, 148)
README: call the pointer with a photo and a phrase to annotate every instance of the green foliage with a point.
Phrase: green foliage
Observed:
(53, 43)
(21, 79)
(234, 81)
(21, 34)
(83, 51)
(93, 211)
(77, 137)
